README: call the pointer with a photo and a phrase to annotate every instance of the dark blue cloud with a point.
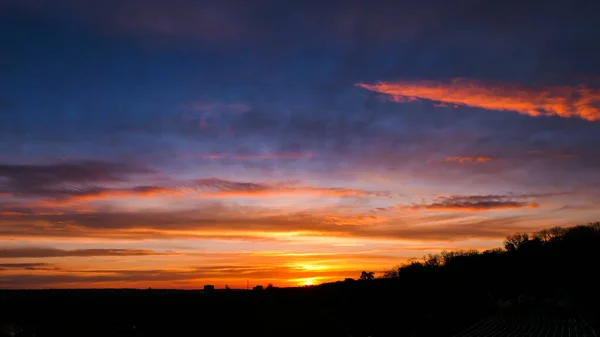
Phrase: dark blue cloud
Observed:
(114, 80)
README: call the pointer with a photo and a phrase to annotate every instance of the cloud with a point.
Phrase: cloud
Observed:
(463, 160)
(71, 196)
(563, 101)
(25, 266)
(476, 203)
(68, 196)
(53, 179)
(40, 252)
(334, 23)
(251, 156)
(257, 224)
(290, 155)
(236, 107)
(215, 188)
(553, 155)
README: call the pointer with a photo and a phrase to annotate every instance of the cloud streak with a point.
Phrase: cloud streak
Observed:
(56, 179)
(251, 156)
(464, 160)
(57, 192)
(219, 188)
(476, 203)
(24, 266)
(40, 252)
(562, 101)
(229, 223)
(235, 107)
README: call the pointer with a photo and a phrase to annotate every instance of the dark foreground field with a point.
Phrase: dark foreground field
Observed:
(357, 308)
(530, 324)
(354, 309)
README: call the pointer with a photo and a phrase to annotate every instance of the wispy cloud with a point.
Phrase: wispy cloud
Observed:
(40, 252)
(463, 160)
(563, 101)
(237, 107)
(56, 179)
(61, 195)
(74, 195)
(251, 224)
(476, 203)
(251, 156)
(553, 155)
(25, 266)
(213, 187)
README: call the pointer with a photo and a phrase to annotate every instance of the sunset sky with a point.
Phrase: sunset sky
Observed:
(172, 144)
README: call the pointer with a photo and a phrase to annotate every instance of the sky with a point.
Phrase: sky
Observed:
(173, 144)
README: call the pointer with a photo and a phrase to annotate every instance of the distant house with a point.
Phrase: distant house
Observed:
(257, 288)
(209, 288)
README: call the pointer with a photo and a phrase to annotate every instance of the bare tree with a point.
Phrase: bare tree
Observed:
(547, 235)
(513, 242)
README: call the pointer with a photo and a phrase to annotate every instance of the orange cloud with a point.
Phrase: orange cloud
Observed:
(202, 188)
(462, 160)
(563, 101)
(223, 223)
(76, 197)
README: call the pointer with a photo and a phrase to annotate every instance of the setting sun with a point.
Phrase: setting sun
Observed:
(306, 281)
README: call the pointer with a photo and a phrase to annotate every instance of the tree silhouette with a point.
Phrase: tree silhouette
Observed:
(367, 275)
(515, 241)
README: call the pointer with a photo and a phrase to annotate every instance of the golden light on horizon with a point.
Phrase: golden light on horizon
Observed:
(310, 281)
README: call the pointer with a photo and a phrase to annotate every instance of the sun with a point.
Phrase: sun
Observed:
(304, 282)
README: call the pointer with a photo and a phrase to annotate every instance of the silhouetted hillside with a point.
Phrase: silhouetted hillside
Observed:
(552, 271)
(553, 263)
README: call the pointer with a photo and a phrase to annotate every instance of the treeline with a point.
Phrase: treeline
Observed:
(558, 263)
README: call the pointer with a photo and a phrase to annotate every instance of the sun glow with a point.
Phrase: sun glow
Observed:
(307, 281)
(311, 267)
